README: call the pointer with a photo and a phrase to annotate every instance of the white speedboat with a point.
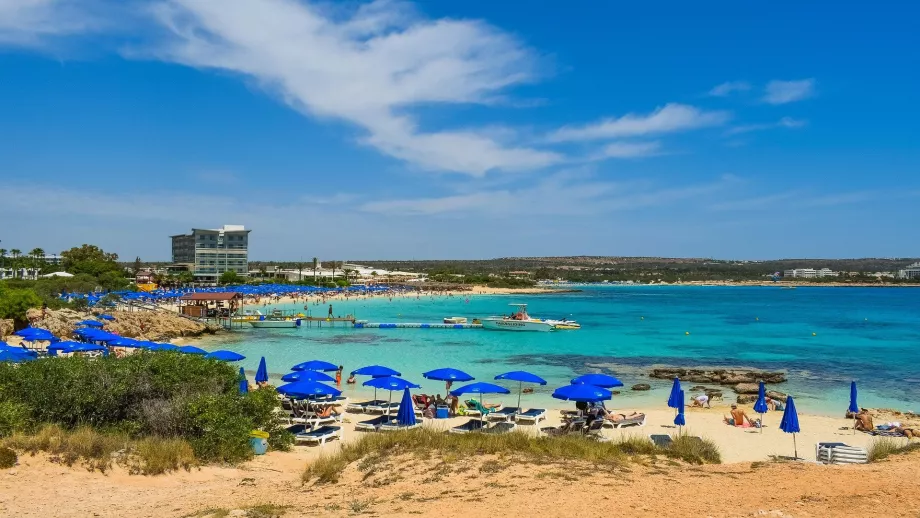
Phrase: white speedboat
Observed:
(275, 323)
(454, 320)
(518, 321)
(247, 315)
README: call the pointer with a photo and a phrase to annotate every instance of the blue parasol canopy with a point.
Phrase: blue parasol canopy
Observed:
(191, 349)
(390, 383)
(308, 376)
(262, 372)
(406, 414)
(521, 376)
(760, 406)
(106, 317)
(679, 419)
(675, 392)
(32, 334)
(586, 393)
(315, 365)
(244, 385)
(598, 380)
(90, 323)
(80, 347)
(162, 347)
(480, 388)
(447, 374)
(7, 355)
(121, 341)
(225, 356)
(305, 389)
(376, 371)
(853, 406)
(53, 349)
(790, 422)
(20, 350)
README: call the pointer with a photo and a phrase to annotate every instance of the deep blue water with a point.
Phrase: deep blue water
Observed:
(823, 338)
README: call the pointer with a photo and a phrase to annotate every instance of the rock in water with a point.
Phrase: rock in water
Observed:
(779, 396)
(642, 386)
(720, 376)
(744, 399)
(746, 388)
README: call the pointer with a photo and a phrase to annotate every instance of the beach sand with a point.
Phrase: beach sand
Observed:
(484, 486)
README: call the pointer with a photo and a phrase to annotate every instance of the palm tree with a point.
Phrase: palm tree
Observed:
(38, 256)
(2, 256)
(315, 265)
(15, 253)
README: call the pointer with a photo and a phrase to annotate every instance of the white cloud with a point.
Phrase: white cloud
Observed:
(782, 92)
(34, 23)
(785, 122)
(629, 149)
(667, 119)
(369, 67)
(729, 87)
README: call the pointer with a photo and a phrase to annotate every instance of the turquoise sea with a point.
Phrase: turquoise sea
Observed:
(823, 338)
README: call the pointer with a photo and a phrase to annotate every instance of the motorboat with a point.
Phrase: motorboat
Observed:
(247, 315)
(565, 324)
(277, 320)
(518, 321)
(455, 320)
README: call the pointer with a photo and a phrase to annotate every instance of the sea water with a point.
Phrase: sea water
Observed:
(822, 337)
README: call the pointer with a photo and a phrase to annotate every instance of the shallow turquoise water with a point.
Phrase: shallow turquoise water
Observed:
(870, 335)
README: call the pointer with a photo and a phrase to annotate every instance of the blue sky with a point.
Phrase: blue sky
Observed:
(462, 129)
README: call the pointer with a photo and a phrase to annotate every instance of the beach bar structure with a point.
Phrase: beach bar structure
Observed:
(217, 306)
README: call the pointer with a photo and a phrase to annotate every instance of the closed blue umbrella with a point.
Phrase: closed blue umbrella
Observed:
(190, 349)
(598, 380)
(315, 365)
(480, 388)
(389, 383)
(262, 372)
(679, 419)
(760, 406)
(675, 392)
(244, 385)
(854, 408)
(790, 422)
(406, 414)
(581, 392)
(225, 356)
(305, 389)
(521, 377)
(308, 376)
(376, 371)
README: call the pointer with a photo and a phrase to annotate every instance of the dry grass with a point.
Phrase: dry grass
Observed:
(424, 443)
(98, 451)
(884, 447)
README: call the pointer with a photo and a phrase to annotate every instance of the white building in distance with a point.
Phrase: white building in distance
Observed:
(911, 272)
(808, 273)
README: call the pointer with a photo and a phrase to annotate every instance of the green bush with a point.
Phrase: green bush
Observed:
(8, 458)
(14, 417)
(217, 429)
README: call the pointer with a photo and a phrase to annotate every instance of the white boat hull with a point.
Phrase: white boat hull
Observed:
(288, 324)
(505, 324)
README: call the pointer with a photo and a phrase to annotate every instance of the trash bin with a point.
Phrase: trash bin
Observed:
(258, 440)
(442, 412)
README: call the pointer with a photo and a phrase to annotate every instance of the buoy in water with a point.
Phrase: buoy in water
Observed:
(814, 334)
(757, 318)
(686, 332)
(641, 318)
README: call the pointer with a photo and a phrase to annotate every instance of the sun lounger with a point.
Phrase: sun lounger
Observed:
(473, 425)
(383, 408)
(840, 453)
(664, 441)
(393, 426)
(502, 415)
(474, 408)
(574, 426)
(372, 425)
(361, 406)
(319, 435)
(504, 427)
(531, 416)
(623, 423)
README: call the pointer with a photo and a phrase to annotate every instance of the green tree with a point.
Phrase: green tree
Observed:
(315, 266)
(137, 265)
(230, 277)
(186, 277)
(16, 302)
(2, 257)
(89, 259)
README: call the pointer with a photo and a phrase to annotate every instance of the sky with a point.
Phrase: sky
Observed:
(473, 129)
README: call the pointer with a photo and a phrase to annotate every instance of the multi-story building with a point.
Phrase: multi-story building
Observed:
(808, 273)
(208, 253)
(911, 272)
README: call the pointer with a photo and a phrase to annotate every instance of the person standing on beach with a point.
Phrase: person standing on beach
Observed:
(338, 376)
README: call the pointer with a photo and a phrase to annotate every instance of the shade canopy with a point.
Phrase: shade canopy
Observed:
(390, 383)
(244, 385)
(377, 371)
(315, 365)
(581, 392)
(598, 380)
(122, 341)
(675, 393)
(405, 416)
(760, 406)
(305, 389)
(60, 346)
(162, 347)
(679, 419)
(191, 349)
(521, 376)
(447, 374)
(106, 317)
(32, 334)
(790, 422)
(308, 376)
(90, 323)
(20, 350)
(225, 356)
(80, 347)
(480, 388)
(262, 372)
(853, 406)
(7, 355)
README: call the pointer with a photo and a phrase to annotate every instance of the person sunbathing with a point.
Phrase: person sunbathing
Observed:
(326, 411)
(864, 421)
(616, 418)
(910, 433)
(737, 417)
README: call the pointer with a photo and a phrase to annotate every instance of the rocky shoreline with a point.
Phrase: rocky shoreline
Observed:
(744, 382)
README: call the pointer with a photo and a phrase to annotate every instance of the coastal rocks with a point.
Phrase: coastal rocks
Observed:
(145, 325)
(720, 376)
(744, 399)
(779, 396)
(642, 386)
(746, 388)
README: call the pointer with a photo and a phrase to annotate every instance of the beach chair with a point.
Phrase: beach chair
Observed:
(594, 429)
(474, 408)
(661, 440)
(319, 435)
(840, 453)
(372, 425)
(473, 425)
(571, 427)
(360, 407)
(503, 427)
(393, 426)
(637, 421)
(502, 415)
(531, 417)
(383, 408)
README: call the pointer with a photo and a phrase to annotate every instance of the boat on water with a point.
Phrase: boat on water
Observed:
(247, 315)
(565, 324)
(517, 321)
(277, 320)
(455, 320)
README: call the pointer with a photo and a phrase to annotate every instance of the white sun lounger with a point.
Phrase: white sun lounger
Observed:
(840, 453)
(502, 415)
(361, 406)
(383, 407)
(393, 426)
(372, 425)
(504, 427)
(319, 436)
(637, 421)
(531, 416)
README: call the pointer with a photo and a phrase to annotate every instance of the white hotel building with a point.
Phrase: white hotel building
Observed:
(808, 273)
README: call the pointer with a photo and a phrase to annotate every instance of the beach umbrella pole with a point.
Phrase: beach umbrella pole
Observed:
(520, 388)
(761, 423)
(795, 448)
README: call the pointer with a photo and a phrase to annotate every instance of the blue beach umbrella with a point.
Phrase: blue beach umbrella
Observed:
(760, 406)
(307, 376)
(598, 380)
(79, 347)
(521, 377)
(479, 388)
(20, 350)
(162, 347)
(244, 385)
(406, 414)
(191, 349)
(7, 355)
(376, 371)
(106, 317)
(448, 375)
(581, 392)
(305, 389)
(679, 419)
(262, 372)
(675, 392)
(389, 383)
(90, 323)
(123, 342)
(32, 334)
(54, 349)
(854, 408)
(315, 365)
(225, 356)
(790, 422)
